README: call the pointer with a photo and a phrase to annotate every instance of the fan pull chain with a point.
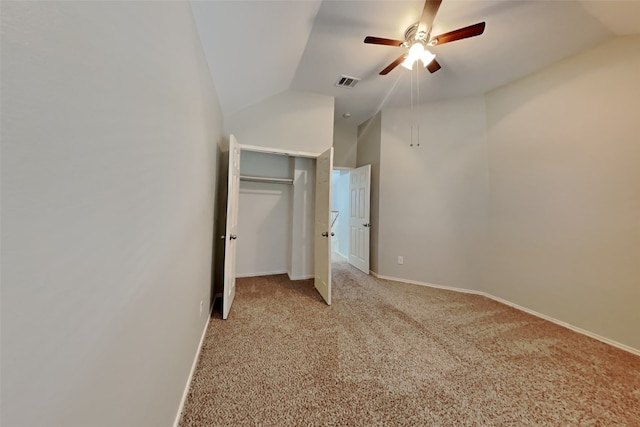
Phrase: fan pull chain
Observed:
(411, 113)
(418, 102)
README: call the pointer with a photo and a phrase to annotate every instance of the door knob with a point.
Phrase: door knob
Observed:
(366, 225)
(333, 234)
(325, 234)
(233, 237)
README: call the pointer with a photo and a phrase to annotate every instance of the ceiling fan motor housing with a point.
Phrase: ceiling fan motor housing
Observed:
(411, 35)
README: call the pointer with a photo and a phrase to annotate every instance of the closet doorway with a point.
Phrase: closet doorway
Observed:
(278, 217)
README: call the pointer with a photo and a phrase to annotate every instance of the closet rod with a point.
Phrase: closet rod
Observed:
(265, 179)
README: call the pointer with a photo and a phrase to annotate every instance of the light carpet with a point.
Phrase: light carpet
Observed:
(395, 354)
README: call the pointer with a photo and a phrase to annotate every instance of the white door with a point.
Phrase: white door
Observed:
(233, 190)
(359, 220)
(322, 230)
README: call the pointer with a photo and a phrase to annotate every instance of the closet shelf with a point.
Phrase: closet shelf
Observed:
(266, 179)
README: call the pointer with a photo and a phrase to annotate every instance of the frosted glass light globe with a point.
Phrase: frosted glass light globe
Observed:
(415, 51)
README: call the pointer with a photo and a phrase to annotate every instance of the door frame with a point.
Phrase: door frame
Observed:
(270, 150)
(280, 151)
(347, 237)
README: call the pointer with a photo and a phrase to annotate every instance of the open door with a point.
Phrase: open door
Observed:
(233, 191)
(359, 219)
(322, 230)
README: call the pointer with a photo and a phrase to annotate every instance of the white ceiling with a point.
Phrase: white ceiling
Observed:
(257, 49)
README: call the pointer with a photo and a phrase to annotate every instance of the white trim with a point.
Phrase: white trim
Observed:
(193, 370)
(431, 285)
(303, 277)
(518, 307)
(567, 325)
(264, 273)
(278, 151)
(340, 255)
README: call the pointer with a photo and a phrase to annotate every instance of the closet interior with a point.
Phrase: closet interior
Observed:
(276, 215)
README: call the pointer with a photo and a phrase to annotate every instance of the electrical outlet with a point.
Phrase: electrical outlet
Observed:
(400, 260)
(200, 307)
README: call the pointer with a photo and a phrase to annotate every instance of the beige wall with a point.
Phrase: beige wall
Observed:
(564, 162)
(345, 144)
(110, 125)
(368, 153)
(433, 196)
(290, 120)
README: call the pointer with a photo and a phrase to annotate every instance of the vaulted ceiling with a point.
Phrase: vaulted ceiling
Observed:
(256, 49)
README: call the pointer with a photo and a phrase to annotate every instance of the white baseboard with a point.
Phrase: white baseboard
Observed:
(431, 285)
(518, 307)
(346, 258)
(304, 277)
(193, 369)
(567, 325)
(263, 273)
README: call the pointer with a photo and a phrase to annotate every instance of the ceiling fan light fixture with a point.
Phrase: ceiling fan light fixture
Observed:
(416, 50)
(426, 57)
(408, 62)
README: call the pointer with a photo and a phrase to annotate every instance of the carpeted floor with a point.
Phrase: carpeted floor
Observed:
(387, 353)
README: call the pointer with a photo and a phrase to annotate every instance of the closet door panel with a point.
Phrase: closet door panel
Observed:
(322, 230)
(233, 186)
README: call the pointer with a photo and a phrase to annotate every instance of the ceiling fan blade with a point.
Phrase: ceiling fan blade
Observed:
(393, 65)
(428, 15)
(459, 34)
(433, 66)
(380, 40)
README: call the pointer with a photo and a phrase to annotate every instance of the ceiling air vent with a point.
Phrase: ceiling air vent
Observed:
(346, 81)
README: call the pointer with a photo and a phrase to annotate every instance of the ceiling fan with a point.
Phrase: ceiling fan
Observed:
(418, 37)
